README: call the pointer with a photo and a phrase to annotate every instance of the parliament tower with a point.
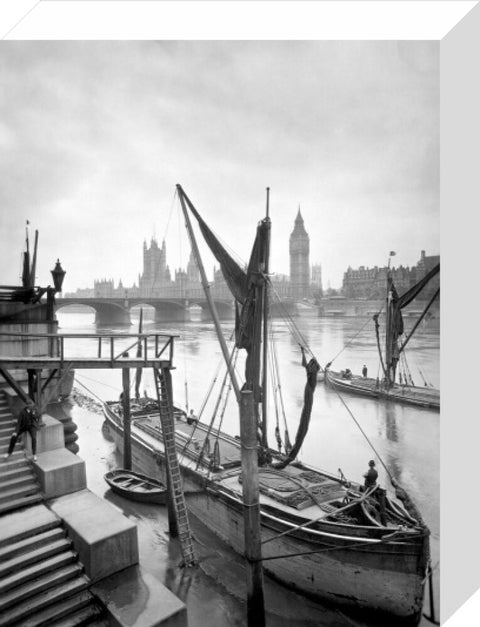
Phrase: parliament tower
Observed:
(299, 260)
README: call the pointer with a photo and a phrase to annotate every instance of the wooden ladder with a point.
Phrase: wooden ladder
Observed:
(162, 379)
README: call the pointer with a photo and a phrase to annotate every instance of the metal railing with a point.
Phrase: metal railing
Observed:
(154, 345)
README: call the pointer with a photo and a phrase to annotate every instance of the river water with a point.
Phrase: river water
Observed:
(407, 439)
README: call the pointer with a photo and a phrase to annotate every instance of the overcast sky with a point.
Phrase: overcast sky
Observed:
(95, 135)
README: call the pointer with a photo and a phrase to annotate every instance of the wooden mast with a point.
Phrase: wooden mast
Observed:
(266, 306)
(206, 287)
(34, 260)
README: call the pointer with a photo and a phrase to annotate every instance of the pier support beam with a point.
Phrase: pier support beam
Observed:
(107, 314)
(127, 435)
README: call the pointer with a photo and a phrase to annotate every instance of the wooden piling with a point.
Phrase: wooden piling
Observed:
(127, 436)
(251, 511)
(38, 390)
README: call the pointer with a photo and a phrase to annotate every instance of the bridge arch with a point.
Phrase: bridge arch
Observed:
(106, 313)
(165, 310)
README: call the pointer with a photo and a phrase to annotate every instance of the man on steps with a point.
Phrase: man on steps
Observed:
(27, 422)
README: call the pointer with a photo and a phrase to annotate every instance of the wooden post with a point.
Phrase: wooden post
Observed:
(38, 391)
(172, 517)
(31, 383)
(266, 312)
(251, 511)
(127, 437)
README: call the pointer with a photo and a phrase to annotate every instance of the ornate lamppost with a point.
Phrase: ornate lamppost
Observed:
(58, 274)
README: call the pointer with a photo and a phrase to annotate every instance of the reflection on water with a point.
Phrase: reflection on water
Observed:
(406, 438)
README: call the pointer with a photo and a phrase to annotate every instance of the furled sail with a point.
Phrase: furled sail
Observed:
(312, 368)
(395, 326)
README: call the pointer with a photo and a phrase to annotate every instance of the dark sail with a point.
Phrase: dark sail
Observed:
(243, 286)
(395, 325)
(235, 276)
(246, 288)
(312, 369)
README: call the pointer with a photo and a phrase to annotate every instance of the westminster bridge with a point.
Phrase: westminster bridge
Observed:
(117, 310)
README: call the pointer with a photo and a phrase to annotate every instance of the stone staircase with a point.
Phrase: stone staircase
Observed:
(41, 580)
(18, 484)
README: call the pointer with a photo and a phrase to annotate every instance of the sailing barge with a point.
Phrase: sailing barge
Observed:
(394, 351)
(426, 397)
(323, 536)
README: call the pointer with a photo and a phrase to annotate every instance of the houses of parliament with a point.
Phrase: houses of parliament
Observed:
(303, 283)
(157, 280)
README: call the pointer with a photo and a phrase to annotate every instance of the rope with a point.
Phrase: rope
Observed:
(89, 391)
(324, 515)
(364, 434)
(385, 540)
(214, 415)
(172, 206)
(278, 389)
(350, 341)
(100, 382)
(187, 443)
(302, 342)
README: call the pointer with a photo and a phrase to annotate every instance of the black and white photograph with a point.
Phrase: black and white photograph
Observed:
(220, 333)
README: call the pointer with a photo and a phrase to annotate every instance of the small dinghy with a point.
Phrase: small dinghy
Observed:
(135, 486)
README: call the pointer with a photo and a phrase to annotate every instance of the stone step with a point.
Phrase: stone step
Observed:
(31, 543)
(6, 429)
(90, 615)
(27, 559)
(60, 611)
(18, 451)
(40, 585)
(16, 493)
(14, 462)
(14, 483)
(17, 471)
(34, 572)
(31, 521)
(29, 614)
(25, 501)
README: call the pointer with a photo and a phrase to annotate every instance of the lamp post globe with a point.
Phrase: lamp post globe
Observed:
(58, 274)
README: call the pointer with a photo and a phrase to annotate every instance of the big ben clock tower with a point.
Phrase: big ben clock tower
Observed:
(299, 260)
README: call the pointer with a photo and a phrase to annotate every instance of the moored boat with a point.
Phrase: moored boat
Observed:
(393, 355)
(136, 486)
(427, 397)
(339, 556)
(323, 535)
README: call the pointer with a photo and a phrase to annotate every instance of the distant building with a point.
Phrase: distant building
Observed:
(156, 273)
(103, 288)
(299, 260)
(317, 278)
(371, 283)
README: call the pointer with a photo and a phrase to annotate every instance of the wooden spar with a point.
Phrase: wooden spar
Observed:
(206, 286)
(424, 313)
(266, 306)
(26, 279)
(388, 334)
(14, 385)
(34, 260)
(127, 436)
(251, 511)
